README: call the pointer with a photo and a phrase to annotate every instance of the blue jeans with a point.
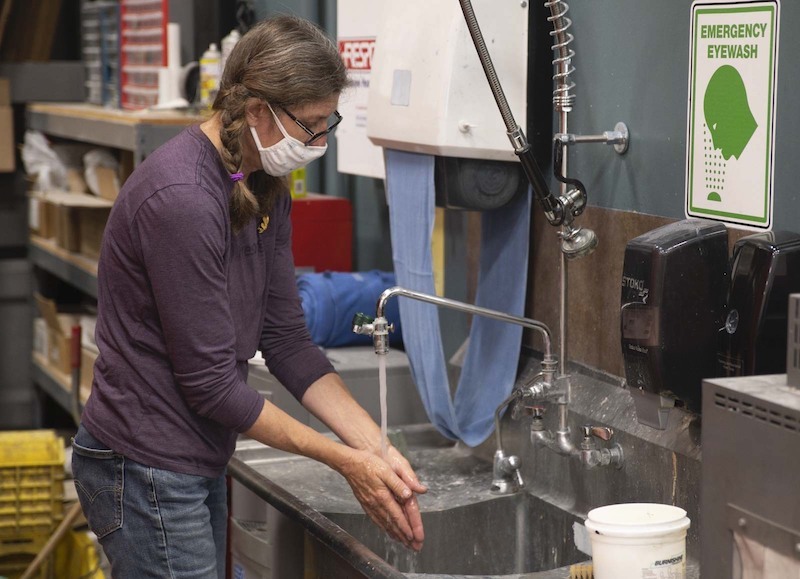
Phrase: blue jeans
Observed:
(151, 522)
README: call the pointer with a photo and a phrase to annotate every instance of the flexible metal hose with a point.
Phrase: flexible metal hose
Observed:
(488, 67)
(553, 208)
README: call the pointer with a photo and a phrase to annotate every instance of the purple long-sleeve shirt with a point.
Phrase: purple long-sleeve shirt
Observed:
(183, 303)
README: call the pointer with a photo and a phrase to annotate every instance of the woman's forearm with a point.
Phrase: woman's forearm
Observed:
(277, 429)
(331, 402)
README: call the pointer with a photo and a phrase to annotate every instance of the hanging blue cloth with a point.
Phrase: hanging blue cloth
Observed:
(331, 299)
(490, 366)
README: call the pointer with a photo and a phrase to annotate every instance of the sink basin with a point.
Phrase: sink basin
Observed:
(468, 530)
(501, 536)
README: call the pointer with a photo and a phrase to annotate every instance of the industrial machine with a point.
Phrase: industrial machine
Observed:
(750, 521)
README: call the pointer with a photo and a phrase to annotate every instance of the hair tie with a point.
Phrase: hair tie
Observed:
(237, 177)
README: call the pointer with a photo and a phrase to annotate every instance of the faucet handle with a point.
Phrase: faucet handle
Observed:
(520, 409)
(601, 432)
(537, 411)
(363, 324)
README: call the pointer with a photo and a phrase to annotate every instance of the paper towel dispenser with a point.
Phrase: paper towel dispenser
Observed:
(672, 307)
(766, 269)
(428, 91)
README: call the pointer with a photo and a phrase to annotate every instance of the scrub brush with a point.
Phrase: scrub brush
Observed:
(581, 571)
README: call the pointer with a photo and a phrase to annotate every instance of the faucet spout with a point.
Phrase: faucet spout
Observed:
(470, 309)
(507, 475)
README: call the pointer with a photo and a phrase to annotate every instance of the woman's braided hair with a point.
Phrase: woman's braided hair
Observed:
(288, 62)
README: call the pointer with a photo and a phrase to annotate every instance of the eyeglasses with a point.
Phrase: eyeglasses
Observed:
(315, 136)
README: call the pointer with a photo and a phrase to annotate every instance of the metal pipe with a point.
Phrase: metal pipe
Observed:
(563, 277)
(498, 415)
(470, 309)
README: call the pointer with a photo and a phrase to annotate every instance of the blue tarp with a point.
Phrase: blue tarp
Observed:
(331, 299)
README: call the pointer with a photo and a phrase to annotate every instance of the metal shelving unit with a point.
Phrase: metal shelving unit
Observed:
(138, 132)
(53, 384)
(76, 270)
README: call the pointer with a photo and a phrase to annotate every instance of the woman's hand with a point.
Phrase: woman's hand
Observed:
(386, 498)
(403, 469)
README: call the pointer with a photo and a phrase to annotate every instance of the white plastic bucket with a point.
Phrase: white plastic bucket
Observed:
(638, 541)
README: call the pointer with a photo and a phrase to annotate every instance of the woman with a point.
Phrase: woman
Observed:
(195, 274)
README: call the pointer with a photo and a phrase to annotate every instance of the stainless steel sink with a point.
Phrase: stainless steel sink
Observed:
(468, 531)
(501, 536)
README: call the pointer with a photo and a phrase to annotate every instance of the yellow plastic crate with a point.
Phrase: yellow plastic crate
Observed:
(15, 558)
(31, 483)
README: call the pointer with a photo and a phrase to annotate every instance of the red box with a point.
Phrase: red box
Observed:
(322, 233)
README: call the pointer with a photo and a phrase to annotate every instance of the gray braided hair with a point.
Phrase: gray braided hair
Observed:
(288, 62)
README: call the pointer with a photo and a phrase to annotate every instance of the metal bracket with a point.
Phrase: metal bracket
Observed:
(765, 532)
(619, 137)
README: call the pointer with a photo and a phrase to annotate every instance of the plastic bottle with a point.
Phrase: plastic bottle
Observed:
(297, 183)
(209, 75)
(227, 45)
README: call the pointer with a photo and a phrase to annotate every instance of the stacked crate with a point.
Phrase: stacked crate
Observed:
(143, 29)
(100, 38)
(31, 496)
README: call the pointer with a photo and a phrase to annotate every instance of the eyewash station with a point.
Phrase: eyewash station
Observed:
(541, 461)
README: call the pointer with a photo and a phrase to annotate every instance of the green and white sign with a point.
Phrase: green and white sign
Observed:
(730, 144)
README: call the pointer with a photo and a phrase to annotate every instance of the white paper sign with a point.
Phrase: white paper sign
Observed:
(731, 117)
(357, 24)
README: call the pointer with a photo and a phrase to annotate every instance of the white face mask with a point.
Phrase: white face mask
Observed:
(287, 154)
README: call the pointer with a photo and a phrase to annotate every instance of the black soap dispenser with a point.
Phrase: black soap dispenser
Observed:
(674, 283)
(766, 269)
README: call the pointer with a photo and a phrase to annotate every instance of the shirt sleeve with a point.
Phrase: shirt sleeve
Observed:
(183, 232)
(286, 344)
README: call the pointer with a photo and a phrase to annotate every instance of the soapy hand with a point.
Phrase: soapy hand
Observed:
(385, 497)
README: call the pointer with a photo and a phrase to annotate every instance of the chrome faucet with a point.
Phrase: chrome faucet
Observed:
(543, 387)
(507, 477)
(588, 453)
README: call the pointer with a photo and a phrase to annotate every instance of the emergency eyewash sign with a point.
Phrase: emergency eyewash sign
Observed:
(730, 144)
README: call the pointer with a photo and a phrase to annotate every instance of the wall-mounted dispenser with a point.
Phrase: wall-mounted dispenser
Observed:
(673, 290)
(766, 269)
(428, 92)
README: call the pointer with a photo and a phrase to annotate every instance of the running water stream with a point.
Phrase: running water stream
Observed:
(384, 411)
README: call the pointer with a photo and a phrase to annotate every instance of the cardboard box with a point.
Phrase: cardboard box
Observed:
(126, 166)
(88, 358)
(75, 181)
(42, 215)
(79, 221)
(59, 334)
(8, 155)
(5, 92)
(67, 227)
(92, 223)
(107, 183)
